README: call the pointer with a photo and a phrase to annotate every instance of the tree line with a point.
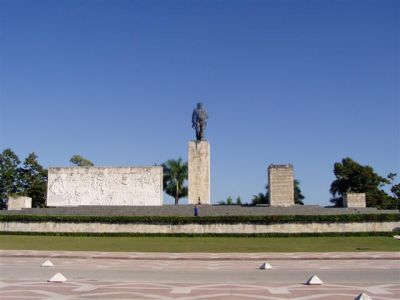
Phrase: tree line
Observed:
(29, 178)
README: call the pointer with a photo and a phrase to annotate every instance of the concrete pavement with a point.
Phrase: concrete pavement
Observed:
(204, 256)
(103, 275)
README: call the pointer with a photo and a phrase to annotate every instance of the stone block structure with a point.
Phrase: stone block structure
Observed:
(354, 200)
(19, 202)
(75, 186)
(199, 172)
(280, 185)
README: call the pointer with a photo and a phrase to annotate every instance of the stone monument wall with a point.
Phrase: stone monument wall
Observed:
(280, 185)
(199, 172)
(18, 202)
(76, 186)
(354, 200)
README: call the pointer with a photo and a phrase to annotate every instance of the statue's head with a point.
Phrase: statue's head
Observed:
(199, 105)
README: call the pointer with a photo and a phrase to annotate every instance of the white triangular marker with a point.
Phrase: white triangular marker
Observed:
(363, 296)
(57, 278)
(47, 263)
(265, 266)
(397, 237)
(314, 280)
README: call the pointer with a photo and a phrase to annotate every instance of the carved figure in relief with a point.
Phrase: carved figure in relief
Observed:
(124, 180)
(155, 184)
(57, 186)
(199, 121)
(136, 187)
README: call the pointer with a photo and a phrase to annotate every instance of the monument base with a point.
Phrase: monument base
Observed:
(18, 202)
(199, 172)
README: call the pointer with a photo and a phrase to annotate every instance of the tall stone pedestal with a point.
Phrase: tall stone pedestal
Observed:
(280, 185)
(199, 172)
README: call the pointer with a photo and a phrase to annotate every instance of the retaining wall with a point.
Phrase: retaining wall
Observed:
(198, 228)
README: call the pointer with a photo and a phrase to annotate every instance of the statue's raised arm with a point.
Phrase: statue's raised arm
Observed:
(199, 121)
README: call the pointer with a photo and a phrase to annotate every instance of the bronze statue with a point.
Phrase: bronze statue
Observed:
(199, 121)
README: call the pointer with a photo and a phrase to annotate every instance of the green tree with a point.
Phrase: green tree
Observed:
(229, 201)
(34, 180)
(396, 190)
(80, 161)
(298, 196)
(260, 198)
(353, 177)
(175, 176)
(10, 179)
(391, 177)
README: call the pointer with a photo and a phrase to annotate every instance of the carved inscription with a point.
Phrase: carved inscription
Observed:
(104, 186)
(354, 200)
(281, 189)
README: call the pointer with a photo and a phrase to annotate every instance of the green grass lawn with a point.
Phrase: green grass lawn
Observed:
(200, 244)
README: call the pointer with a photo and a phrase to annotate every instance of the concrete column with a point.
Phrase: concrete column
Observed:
(199, 172)
(280, 185)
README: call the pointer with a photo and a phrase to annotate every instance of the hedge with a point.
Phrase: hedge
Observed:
(179, 220)
(261, 235)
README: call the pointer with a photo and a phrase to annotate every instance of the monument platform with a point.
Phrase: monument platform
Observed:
(204, 210)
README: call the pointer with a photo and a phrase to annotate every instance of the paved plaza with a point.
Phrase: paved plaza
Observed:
(100, 275)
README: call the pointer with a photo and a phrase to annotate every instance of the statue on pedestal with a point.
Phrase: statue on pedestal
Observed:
(199, 121)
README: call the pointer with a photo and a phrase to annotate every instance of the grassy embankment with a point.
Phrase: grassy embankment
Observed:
(199, 244)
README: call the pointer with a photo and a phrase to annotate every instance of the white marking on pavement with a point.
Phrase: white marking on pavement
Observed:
(181, 290)
(278, 290)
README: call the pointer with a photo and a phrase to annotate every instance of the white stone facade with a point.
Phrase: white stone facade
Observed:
(354, 200)
(280, 185)
(199, 228)
(18, 202)
(74, 186)
(199, 172)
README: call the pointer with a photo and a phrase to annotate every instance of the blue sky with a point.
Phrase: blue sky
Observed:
(301, 82)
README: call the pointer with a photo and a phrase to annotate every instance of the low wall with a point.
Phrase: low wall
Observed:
(198, 228)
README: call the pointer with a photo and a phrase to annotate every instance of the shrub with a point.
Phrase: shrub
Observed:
(179, 220)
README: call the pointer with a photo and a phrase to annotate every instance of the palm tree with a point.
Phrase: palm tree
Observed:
(175, 175)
